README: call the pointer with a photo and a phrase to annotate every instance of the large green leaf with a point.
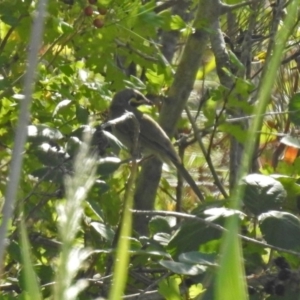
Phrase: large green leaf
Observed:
(192, 234)
(108, 165)
(159, 224)
(262, 193)
(280, 229)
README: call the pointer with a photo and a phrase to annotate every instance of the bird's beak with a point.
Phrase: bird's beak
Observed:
(139, 99)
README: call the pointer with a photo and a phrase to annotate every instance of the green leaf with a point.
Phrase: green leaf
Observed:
(198, 258)
(82, 114)
(182, 268)
(32, 286)
(43, 133)
(49, 174)
(101, 186)
(159, 224)
(135, 83)
(165, 19)
(293, 191)
(14, 250)
(177, 23)
(61, 105)
(192, 234)
(48, 155)
(280, 229)
(262, 193)
(169, 289)
(66, 69)
(234, 103)
(104, 230)
(235, 130)
(294, 109)
(243, 87)
(66, 27)
(108, 165)
(45, 273)
(235, 61)
(73, 145)
(9, 20)
(162, 238)
(95, 207)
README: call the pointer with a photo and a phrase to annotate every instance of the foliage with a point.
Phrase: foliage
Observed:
(90, 50)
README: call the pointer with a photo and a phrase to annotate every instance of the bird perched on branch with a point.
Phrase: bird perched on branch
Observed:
(152, 140)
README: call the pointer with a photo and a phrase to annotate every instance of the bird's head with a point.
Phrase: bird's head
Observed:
(130, 97)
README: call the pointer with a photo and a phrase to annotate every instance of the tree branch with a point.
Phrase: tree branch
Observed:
(172, 108)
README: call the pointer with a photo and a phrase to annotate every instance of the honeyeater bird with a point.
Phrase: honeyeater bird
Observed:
(152, 139)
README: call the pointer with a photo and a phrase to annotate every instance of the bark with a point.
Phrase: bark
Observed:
(169, 38)
(223, 63)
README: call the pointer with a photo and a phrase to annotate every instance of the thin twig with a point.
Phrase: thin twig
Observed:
(136, 51)
(225, 8)
(207, 157)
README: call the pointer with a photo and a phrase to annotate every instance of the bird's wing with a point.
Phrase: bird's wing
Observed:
(155, 140)
(125, 132)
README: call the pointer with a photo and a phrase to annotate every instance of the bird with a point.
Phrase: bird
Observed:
(152, 139)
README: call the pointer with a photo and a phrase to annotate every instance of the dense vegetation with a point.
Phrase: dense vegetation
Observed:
(224, 82)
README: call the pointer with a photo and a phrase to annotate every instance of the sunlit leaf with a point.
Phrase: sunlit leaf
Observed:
(43, 132)
(105, 231)
(169, 289)
(61, 105)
